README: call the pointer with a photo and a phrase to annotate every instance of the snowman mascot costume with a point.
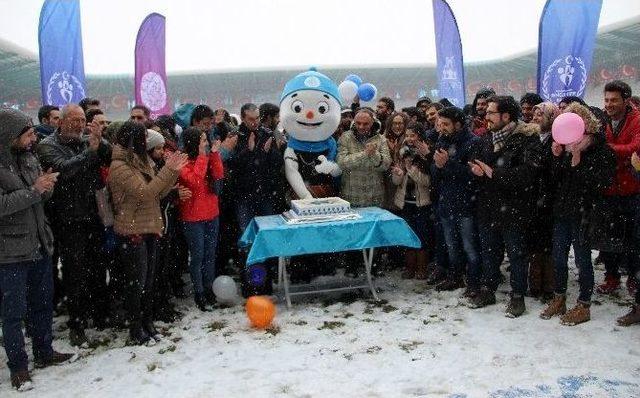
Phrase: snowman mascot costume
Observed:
(310, 114)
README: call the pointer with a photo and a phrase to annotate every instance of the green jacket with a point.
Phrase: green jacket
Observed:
(362, 175)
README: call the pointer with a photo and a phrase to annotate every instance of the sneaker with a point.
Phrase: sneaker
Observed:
(450, 284)
(56, 358)
(579, 314)
(631, 318)
(78, 338)
(610, 285)
(21, 380)
(482, 299)
(557, 306)
(516, 307)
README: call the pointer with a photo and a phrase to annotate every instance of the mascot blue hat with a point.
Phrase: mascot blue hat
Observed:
(311, 80)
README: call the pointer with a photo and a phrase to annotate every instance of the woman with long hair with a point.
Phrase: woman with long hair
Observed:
(199, 214)
(136, 191)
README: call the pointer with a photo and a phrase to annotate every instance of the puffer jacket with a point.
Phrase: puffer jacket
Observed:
(24, 228)
(136, 191)
(362, 175)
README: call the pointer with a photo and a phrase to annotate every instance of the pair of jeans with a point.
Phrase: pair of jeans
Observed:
(202, 239)
(138, 259)
(566, 233)
(462, 244)
(83, 273)
(628, 207)
(419, 219)
(494, 239)
(248, 208)
(27, 293)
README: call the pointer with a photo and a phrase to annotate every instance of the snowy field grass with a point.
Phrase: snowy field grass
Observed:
(416, 343)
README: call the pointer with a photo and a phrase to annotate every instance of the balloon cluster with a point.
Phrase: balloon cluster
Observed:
(353, 85)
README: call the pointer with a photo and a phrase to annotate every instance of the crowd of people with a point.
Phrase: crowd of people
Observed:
(100, 216)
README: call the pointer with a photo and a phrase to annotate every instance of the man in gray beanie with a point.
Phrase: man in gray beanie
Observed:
(26, 244)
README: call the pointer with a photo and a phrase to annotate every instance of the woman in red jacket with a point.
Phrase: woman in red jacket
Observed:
(199, 214)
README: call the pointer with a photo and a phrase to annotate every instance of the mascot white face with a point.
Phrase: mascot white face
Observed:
(310, 115)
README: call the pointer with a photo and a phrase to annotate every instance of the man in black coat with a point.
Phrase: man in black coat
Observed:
(506, 166)
(26, 244)
(74, 214)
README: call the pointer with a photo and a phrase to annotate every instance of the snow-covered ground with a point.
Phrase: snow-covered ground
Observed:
(417, 342)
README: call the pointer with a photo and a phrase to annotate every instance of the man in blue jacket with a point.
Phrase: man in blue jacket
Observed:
(456, 189)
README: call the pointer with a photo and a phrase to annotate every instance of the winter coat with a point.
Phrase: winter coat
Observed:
(421, 181)
(362, 181)
(578, 187)
(256, 172)
(74, 199)
(24, 228)
(44, 130)
(625, 140)
(509, 198)
(454, 183)
(136, 191)
(203, 204)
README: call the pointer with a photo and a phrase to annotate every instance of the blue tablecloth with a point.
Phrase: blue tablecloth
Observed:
(270, 236)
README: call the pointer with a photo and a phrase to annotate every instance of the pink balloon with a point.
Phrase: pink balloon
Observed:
(567, 128)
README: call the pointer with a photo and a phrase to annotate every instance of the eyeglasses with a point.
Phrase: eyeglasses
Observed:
(491, 112)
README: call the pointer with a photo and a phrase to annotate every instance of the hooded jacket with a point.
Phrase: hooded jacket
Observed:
(24, 229)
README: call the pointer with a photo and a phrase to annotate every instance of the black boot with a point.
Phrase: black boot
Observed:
(151, 330)
(209, 297)
(201, 302)
(516, 306)
(139, 336)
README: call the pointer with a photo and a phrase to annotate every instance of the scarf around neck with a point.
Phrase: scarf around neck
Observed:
(499, 137)
(317, 146)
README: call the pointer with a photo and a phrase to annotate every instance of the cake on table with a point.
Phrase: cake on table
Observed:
(319, 210)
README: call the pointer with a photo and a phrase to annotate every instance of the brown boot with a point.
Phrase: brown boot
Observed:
(631, 318)
(421, 266)
(410, 259)
(581, 313)
(557, 306)
(21, 380)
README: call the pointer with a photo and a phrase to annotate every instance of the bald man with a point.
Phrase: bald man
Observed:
(73, 214)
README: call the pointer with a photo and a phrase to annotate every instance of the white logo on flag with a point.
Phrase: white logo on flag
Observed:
(564, 69)
(64, 88)
(153, 91)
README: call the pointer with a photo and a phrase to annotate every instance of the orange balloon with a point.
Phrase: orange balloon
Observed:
(260, 310)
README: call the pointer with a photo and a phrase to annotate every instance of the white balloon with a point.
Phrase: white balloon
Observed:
(224, 287)
(348, 91)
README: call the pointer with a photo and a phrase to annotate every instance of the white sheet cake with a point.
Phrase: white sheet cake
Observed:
(320, 206)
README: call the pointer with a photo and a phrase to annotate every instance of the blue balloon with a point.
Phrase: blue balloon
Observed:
(354, 78)
(257, 275)
(367, 92)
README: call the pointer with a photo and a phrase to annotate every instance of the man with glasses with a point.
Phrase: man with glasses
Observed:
(506, 165)
(73, 212)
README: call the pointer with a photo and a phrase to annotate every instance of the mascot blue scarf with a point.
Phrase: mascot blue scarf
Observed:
(320, 146)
